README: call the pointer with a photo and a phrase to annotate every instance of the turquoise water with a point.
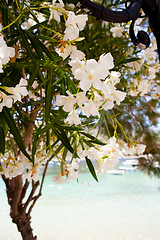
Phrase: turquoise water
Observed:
(125, 207)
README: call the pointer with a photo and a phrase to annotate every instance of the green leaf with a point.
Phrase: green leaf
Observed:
(128, 60)
(91, 168)
(63, 138)
(56, 152)
(47, 38)
(14, 131)
(2, 140)
(25, 43)
(39, 47)
(93, 139)
(35, 44)
(49, 95)
(34, 74)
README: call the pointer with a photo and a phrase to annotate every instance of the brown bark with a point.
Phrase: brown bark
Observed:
(16, 192)
(18, 212)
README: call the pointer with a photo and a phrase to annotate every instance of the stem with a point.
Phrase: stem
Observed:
(24, 190)
(34, 188)
(40, 190)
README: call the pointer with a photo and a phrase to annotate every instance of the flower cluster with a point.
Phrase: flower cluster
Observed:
(12, 94)
(146, 82)
(5, 52)
(70, 173)
(12, 167)
(96, 84)
(96, 88)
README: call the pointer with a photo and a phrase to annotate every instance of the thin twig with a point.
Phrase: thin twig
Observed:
(40, 190)
(24, 190)
(34, 188)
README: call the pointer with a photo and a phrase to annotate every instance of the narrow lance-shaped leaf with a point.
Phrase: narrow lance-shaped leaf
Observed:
(91, 168)
(14, 131)
(34, 74)
(93, 139)
(26, 43)
(2, 140)
(35, 44)
(63, 138)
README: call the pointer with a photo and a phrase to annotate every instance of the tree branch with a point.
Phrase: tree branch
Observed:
(30, 125)
(34, 188)
(40, 190)
(24, 190)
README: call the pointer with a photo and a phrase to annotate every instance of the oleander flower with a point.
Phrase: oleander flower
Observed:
(56, 9)
(73, 118)
(14, 94)
(20, 90)
(81, 98)
(117, 30)
(66, 101)
(65, 51)
(90, 108)
(58, 179)
(5, 52)
(90, 72)
(74, 24)
(119, 96)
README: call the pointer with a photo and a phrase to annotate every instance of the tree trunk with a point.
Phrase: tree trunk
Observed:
(24, 226)
(18, 210)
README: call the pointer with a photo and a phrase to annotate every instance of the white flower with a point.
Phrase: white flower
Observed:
(91, 72)
(114, 77)
(140, 148)
(81, 98)
(66, 101)
(74, 53)
(90, 76)
(144, 86)
(73, 170)
(35, 85)
(58, 179)
(78, 21)
(74, 24)
(133, 149)
(15, 93)
(19, 90)
(90, 108)
(117, 30)
(106, 61)
(2, 42)
(149, 54)
(119, 96)
(111, 149)
(107, 90)
(56, 10)
(73, 118)
(93, 154)
(71, 33)
(5, 100)
(32, 174)
(75, 64)
(108, 105)
(152, 72)
(5, 53)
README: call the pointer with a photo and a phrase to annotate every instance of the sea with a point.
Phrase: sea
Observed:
(117, 207)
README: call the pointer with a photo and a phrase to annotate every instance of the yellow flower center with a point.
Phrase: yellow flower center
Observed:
(90, 77)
